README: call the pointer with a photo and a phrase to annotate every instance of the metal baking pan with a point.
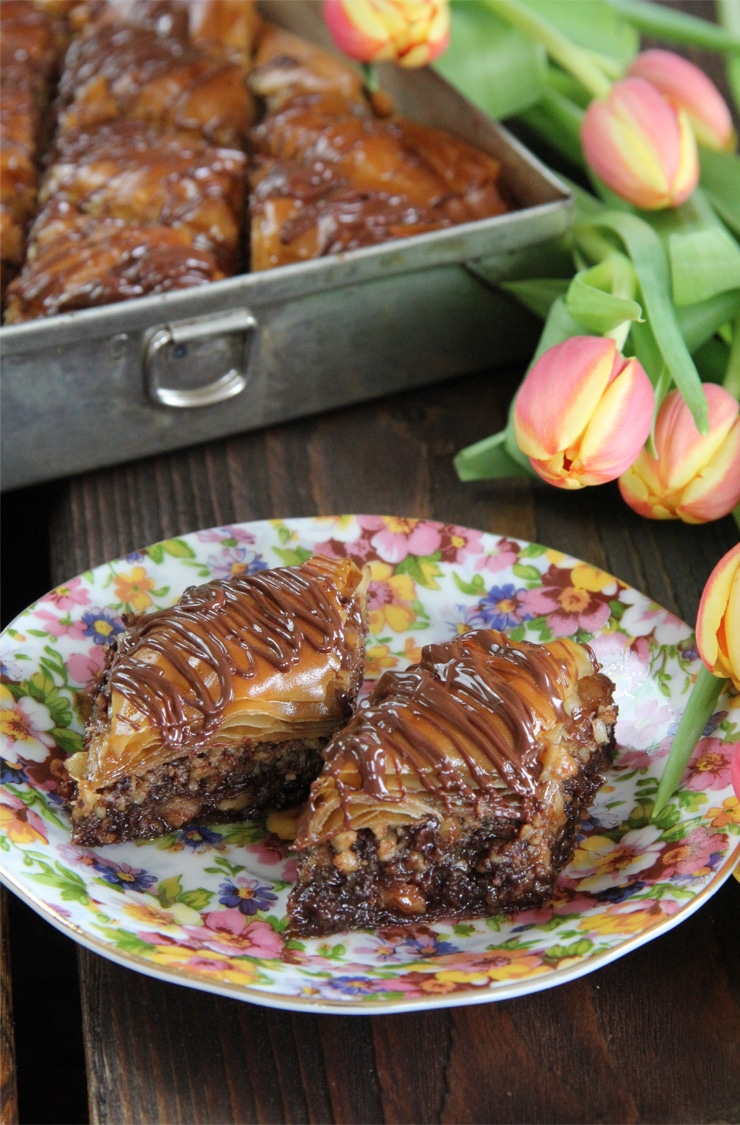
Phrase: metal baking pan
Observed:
(103, 386)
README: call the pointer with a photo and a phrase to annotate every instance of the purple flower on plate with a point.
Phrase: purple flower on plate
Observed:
(198, 838)
(225, 533)
(234, 562)
(503, 607)
(123, 875)
(101, 625)
(423, 944)
(247, 895)
(354, 986)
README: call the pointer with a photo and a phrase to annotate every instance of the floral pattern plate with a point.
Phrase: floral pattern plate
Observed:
(206, 907)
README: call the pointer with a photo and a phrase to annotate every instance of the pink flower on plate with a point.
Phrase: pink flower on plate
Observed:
(84, 667)
(459, 542)
(25, 725)
(709, 767)
(569, 601)
(69, 595)
(60, 626)
(504, 555)
(690, 857)
(231, 933)
(395, 538)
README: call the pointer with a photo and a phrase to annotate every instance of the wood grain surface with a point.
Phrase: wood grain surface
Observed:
(652, 1037)
(8, 1077)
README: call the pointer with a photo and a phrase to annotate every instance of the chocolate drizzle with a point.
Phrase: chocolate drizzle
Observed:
(179, 667)
(464, 721)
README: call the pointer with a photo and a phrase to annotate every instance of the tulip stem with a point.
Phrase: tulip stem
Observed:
(699, 709)
(563, 50)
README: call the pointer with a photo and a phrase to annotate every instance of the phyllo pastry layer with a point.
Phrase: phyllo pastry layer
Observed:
(219, 706)
(457, 789)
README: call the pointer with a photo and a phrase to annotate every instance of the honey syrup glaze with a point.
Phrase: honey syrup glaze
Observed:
(465, 719)
(228, 630)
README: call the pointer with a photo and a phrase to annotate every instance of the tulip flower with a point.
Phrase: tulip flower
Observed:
(692, 477)
(718, 619)
(718, 642)
(583, 412)
(640, 145)
(688, 88)
(409, 32)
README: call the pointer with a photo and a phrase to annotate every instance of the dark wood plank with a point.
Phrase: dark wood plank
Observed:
(650, 1038)
(8, 1075)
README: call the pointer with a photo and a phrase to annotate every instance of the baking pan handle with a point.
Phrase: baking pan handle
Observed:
(226, 386)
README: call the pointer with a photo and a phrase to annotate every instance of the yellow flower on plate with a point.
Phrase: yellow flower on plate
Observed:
(133, 588)
(729, 813)
(594, 579)
(21, 825)
(205, 963)
(389, 599)
(377, 659)
(147, 911)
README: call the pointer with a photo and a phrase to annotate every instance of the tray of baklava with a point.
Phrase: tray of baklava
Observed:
(195, 192)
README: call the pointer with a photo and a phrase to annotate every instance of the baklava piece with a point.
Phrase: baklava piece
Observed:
(458, 789)
(32, 41)
(219, 706)
(144, 188)
(151, 70)
(334, 169)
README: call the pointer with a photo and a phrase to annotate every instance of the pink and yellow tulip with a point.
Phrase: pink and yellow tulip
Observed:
(692, 477)
(409, 32)
(687, 87)
(640, 145)
(583, 412)
(718, 619)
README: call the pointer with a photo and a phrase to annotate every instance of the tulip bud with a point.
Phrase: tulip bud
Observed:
(688, 88)
(641, 146)
(693, 477)
(583, 412)
(409, 32)
(718, 619)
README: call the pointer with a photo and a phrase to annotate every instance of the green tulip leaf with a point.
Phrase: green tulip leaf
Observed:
(496, 67)
(596, 26)
(699, 322)
(491, 459)
(703, 264)
(720, 179)
(651, 266)
(556, 120)
(539, 294)
(597, 311)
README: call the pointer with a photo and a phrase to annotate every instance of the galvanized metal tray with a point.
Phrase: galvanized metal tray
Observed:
(103, 386)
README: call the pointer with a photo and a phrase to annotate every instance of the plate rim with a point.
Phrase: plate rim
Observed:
(493, 992)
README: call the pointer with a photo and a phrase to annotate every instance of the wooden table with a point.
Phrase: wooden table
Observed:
(654, 1037)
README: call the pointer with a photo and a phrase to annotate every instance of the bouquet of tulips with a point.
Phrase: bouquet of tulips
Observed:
(636, 376)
